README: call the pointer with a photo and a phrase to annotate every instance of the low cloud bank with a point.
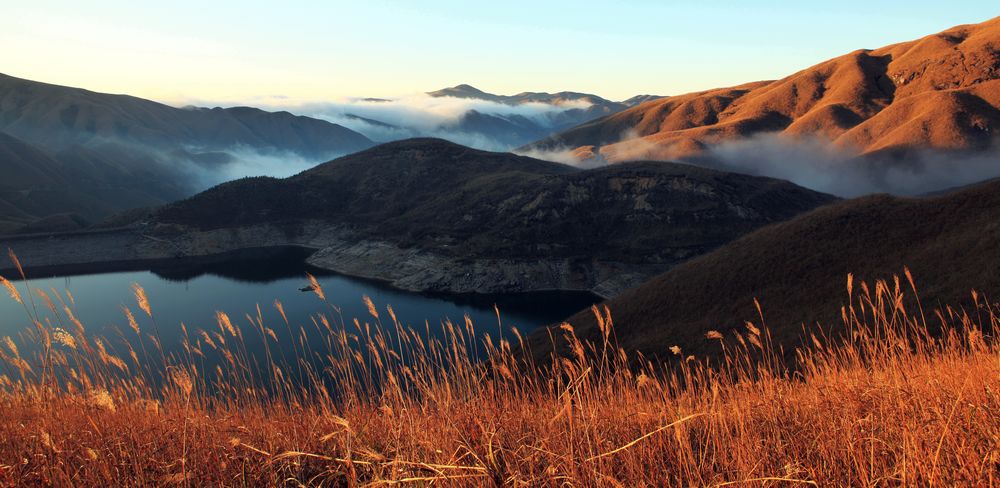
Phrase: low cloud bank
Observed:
(193, 169)
(426, 112)
(565, 156)
(427, 116)
(245, 161)
(815, 163)
(422, 115)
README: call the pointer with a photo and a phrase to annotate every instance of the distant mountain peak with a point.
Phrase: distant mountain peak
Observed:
(467, 87)
(465, 91)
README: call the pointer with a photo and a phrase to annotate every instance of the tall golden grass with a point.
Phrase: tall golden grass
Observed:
(374, 402)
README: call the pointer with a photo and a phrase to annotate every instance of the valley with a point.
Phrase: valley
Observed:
(281, 261)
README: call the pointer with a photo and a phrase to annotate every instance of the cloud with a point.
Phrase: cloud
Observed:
(807, 161)
(816, 163)
(813, 162)
(425, 115)
(422, 115)
(565, 156)
(194, 168)
(245, 161)
(425, 112)
(587, 157)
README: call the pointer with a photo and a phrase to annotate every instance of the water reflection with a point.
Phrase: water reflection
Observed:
(192, 292)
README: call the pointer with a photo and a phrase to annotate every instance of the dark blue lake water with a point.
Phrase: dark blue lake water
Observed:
(194, 294)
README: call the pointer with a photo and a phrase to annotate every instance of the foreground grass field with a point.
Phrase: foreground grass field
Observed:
(375, 403)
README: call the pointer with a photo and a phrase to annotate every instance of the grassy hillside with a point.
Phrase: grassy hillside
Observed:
(941, 91)
(796, 269)
(376, 403)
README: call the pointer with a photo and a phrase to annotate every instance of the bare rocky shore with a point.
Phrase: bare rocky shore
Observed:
(336, 249)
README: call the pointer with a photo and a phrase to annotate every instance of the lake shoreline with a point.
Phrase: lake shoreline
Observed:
(162, 266)
(323, 247)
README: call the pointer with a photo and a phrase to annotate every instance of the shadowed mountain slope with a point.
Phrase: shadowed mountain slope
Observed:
(72, 187)
(70, 150)
(58, 117)
(798, 271)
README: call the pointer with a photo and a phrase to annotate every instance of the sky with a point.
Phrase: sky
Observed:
(241, 51)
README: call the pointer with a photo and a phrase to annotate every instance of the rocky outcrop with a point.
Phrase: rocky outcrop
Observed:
(336, 249)
(417, 270)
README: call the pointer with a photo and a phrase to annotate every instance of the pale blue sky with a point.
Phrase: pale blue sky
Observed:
(316, 50)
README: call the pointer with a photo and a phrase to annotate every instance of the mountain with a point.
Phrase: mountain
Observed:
(798, 270)
(111, 152)
(639, 99)
(72, 187)
(497, 130)
(430, 215)
(940, 92)
(560, 98)
(58, 117)
(24, 166)
(579, 107)
(514, 120)
(372, 122)
(467, 91)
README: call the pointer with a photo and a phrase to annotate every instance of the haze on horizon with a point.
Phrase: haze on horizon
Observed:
(231, 53)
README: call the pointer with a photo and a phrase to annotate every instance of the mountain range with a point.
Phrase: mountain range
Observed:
(939, 92)
(90, 154)
(491, 121)
(61, 117)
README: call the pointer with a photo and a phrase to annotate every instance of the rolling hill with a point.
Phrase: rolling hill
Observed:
(468, 203)
(427, 214)
(798, 270)
(940, 92)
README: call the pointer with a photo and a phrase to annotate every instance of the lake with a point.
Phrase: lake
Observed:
(193, 293)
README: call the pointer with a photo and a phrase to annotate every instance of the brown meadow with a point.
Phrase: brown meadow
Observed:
(887, 402)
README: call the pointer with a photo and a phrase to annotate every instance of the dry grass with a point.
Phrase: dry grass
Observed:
(376, 403)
